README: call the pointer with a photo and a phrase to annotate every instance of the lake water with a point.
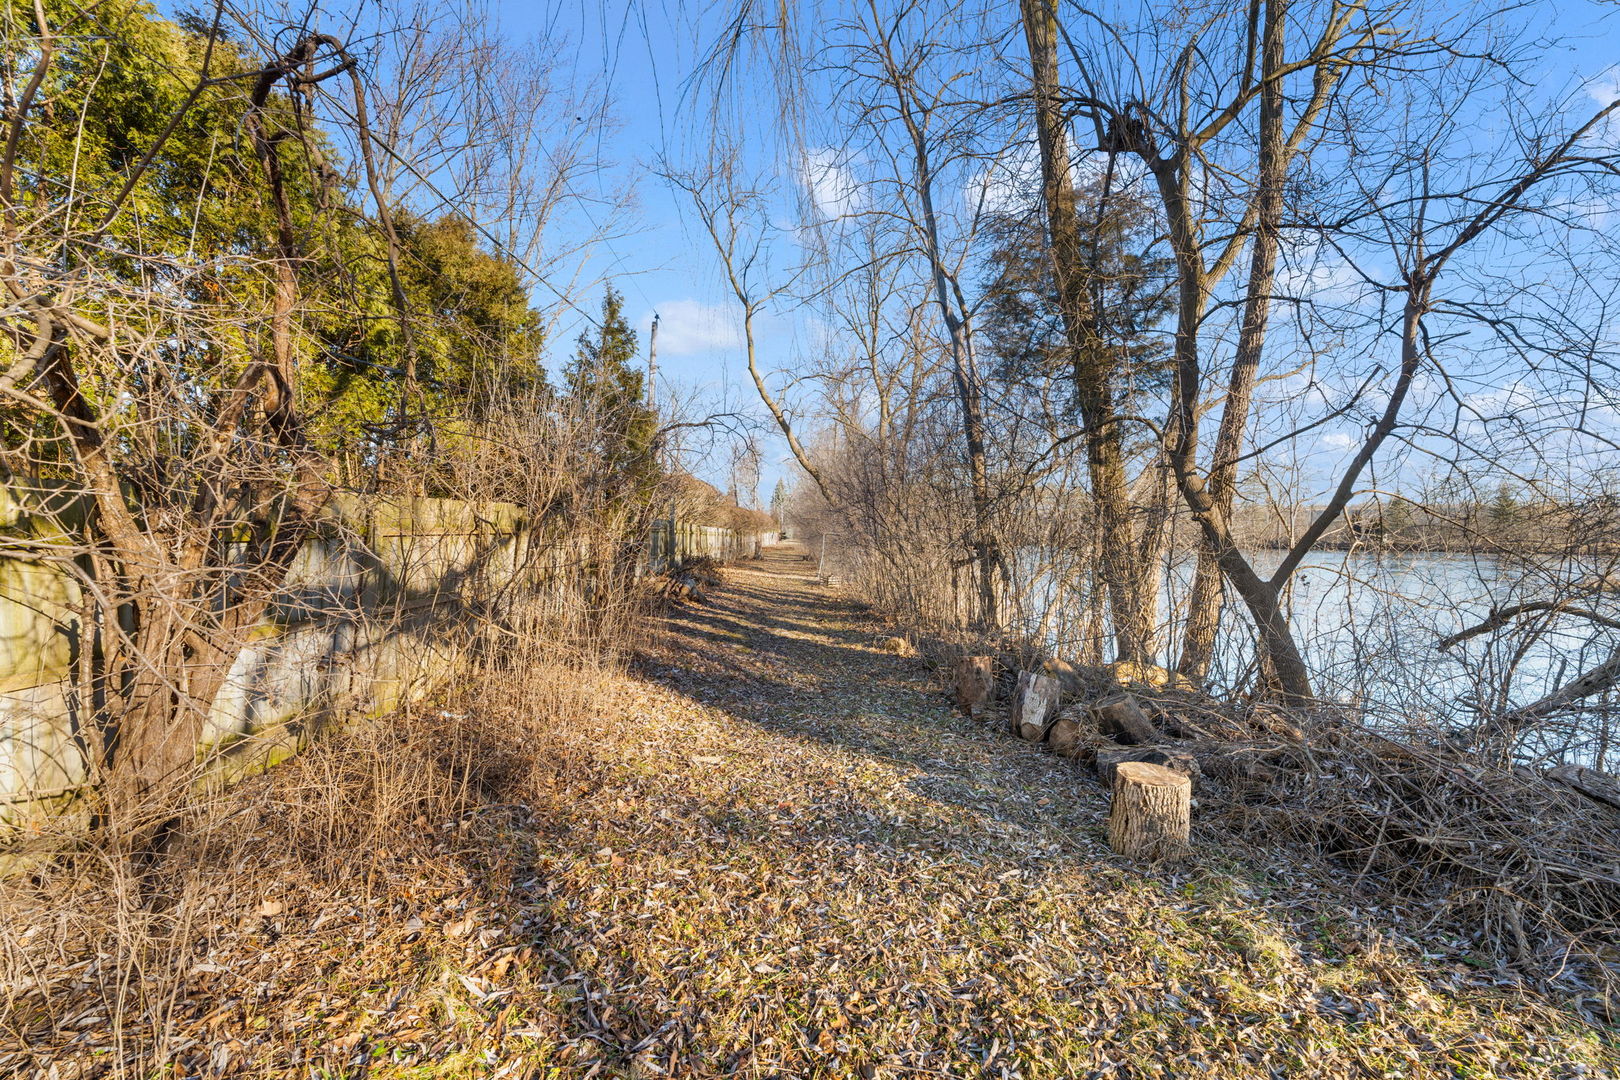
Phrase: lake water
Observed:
(1369, 625)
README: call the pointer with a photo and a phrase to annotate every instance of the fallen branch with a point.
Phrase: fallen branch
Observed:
(1589, 782)
(1500, 617)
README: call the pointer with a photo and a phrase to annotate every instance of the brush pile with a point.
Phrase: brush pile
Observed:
(692, 582)
(1519, 862)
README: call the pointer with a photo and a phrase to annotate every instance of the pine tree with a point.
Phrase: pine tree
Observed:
(1504, 508)
(605, 377)
(1127, 287)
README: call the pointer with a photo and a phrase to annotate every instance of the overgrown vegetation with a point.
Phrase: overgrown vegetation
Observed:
(774, 852)
(1145, 312)
(1107, 325)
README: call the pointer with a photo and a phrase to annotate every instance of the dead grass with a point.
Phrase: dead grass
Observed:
(772, 853)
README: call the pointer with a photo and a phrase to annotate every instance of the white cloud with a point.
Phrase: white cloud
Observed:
(686, 327)
(1604, 90)
(1517, 396)
(1011, 183)
(1339, 440)
(1312, 272)
(832, 186)
(1597, 212)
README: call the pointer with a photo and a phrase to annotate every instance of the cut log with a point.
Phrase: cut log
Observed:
(1126, 672)
(897, 645)
(1239, 764)
(1125, 720)
(1098, 680)
(1150, 816)
(1080, 680)
(1066, 737)
(1589, 782)
(1033, 703)
(974, 679)
(1072, 733)
(1109, 761)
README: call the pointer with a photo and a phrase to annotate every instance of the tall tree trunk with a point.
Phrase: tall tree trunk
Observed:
(1155, 498)
(1204, 605)
(1181, 437)
(981, 539)
(954, 310)
(1093, 364)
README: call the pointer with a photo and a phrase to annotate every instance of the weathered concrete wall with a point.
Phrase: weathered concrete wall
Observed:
(689, 540)
(371, 614)
(366, 620)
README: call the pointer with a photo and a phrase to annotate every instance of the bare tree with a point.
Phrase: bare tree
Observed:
(732, 211)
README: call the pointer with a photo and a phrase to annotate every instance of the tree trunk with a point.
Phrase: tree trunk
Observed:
(1204, 605)
(1092, 362)
(1203, 618)
(1150, 816)
(954, 310)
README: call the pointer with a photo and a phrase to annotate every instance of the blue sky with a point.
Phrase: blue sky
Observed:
(645, 55)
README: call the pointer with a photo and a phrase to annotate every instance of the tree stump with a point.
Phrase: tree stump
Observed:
(1033, 702)
(1150, 816)
(974, 679)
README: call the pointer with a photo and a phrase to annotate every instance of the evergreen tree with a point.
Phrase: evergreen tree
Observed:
(605, 377)
(1398, 518)
(1128, 290)
(1504, 508)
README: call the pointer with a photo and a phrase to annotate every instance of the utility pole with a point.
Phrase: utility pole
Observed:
(672, 552)
(652, 364)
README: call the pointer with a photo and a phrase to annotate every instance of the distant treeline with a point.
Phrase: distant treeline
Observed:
(1506, 522)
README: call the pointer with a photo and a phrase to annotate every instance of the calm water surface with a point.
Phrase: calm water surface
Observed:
(1370, 624)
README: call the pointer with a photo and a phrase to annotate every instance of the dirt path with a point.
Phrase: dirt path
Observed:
(821, 869)
(773, 851)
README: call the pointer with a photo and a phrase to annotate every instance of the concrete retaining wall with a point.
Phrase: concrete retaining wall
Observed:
(688, 541)
(372, 614)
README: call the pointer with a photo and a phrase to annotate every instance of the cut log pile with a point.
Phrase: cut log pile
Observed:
(1105, 726)
(1421, 816)
(693, 582)
(1102, 715)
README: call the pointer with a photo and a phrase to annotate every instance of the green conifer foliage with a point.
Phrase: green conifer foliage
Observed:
(605, 377)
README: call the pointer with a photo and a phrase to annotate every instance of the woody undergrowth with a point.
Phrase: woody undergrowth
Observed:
(768, 852)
